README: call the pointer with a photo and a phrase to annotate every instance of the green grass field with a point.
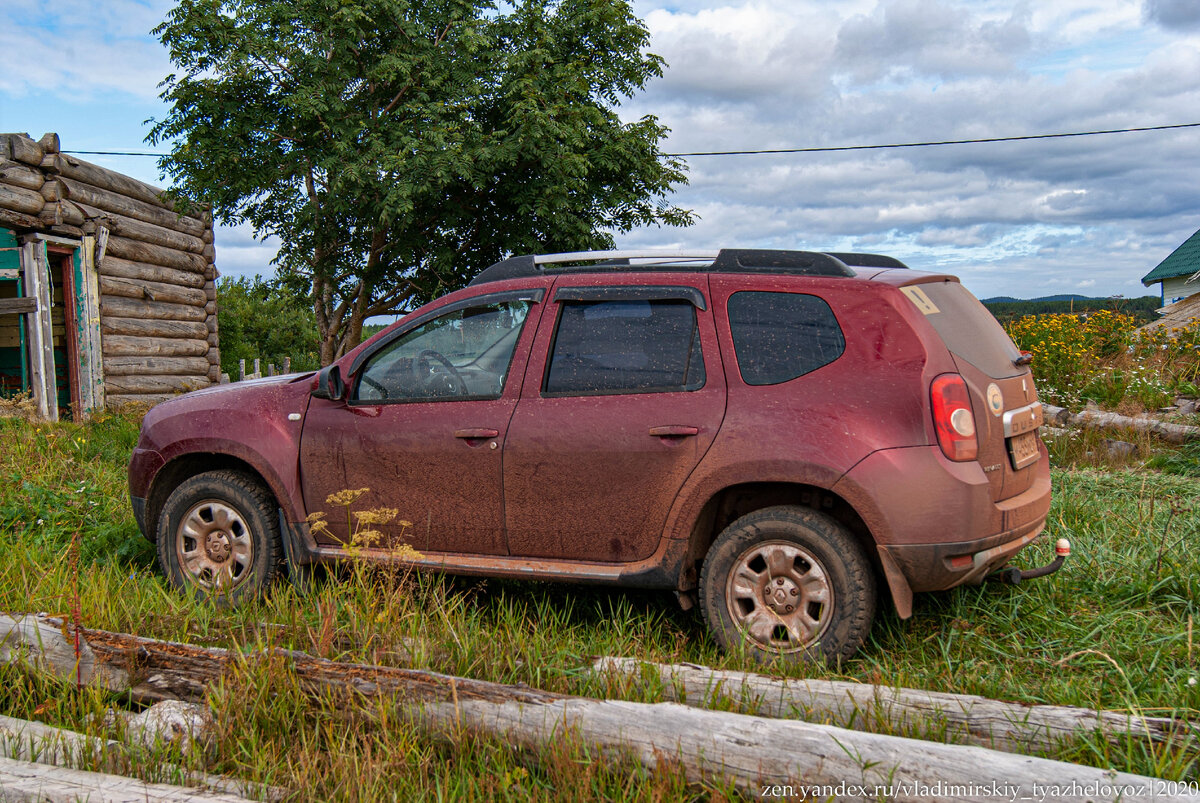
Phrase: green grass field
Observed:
(1118, 628)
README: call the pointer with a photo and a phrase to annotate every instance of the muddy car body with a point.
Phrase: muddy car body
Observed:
(776, 435)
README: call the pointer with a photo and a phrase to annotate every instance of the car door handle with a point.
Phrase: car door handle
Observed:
(476, 433)
(674, 431)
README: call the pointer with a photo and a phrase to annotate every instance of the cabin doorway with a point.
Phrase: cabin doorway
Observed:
(49, 325)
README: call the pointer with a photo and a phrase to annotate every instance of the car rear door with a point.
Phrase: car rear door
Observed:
(623, 396)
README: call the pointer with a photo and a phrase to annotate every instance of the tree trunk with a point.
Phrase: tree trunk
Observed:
(751, 752)
(1012, 727)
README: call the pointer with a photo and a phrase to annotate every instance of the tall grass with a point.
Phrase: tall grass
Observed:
(1117, 628)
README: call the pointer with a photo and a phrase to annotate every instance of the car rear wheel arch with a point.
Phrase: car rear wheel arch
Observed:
(731, 503)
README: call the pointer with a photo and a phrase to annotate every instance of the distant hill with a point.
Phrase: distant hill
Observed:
(1067, 297)
(1005, 308)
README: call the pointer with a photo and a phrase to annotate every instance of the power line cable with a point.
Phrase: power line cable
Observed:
(832, 149)
(939, 142)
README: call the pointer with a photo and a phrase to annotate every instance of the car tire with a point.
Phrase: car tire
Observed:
(788, 583)
(218, 537)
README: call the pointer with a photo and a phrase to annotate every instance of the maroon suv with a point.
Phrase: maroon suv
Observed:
(776, 434)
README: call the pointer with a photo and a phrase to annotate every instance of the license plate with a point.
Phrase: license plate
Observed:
(1023, 449)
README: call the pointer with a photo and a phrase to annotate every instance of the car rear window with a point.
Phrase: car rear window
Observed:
(966, 327)
(781, 336)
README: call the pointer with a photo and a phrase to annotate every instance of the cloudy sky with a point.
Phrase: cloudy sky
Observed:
(1087, 215)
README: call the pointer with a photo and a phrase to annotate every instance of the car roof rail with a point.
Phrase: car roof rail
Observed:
(868, 260)
(732, 260)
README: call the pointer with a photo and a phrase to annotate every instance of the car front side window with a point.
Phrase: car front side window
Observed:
(464, 354)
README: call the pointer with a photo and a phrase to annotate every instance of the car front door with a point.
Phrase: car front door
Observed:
(421, 428)
(623, 396)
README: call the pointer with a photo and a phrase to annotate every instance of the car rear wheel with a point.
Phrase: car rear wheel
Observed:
(218, 536)
(788, 583)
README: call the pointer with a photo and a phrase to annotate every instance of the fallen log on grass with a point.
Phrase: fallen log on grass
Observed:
(1012, 727)
(44, 783)
(748, 751)
(1098, 419)
(23, 740)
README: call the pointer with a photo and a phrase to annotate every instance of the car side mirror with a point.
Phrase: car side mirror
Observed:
(329, 384)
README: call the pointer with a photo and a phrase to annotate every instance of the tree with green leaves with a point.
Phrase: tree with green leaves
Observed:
(397, 147)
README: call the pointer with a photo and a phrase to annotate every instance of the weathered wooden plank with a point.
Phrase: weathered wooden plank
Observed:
(152, 291)
(40, 330)
(87, 317)
(20, 175)
(138, 251)
(20, 306)
(125, 269)
(133, 385)
(24, 149)
(151, 327)
(154, 366)
(19, 199)
(748, 751)
(1011, 727)
(133, 308)
(116, 203)
(130, 346)
(145, 232)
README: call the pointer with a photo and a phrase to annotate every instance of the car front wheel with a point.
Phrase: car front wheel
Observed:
(218, 535)
(790, 583)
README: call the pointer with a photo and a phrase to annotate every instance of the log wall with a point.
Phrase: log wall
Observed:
(157, 276)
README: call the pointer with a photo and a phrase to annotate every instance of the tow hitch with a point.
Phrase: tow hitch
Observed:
(1012, 575)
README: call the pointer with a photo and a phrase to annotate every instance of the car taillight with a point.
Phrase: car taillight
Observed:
(952, 417)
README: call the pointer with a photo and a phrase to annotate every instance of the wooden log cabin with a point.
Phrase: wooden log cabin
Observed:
(107, 295)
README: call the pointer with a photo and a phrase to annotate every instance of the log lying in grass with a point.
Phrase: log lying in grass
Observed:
(44, 783)
(23, 740)
(748, 751)
(1097, 419)
(1011, 727)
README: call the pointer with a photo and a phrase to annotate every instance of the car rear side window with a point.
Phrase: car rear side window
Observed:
(627, 346)
(780, 336)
